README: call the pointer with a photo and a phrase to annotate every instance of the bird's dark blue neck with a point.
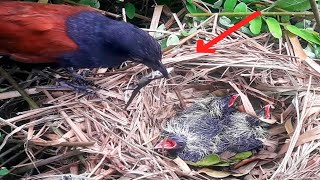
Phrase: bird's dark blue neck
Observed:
(89, 30)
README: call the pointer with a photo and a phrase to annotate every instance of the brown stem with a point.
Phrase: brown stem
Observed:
(25, 96)
(315, 12)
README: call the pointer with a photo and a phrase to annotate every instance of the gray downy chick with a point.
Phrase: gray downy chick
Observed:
(242, 132)
(189, 135)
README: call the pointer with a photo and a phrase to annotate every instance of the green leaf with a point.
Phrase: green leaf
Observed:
(217, 4)
(214, 173)
(189, 1)
(293, 5)
(285, 19)
(255, 25)
(304, 24)
(246, 30)
(308, 35)
(249, 1)
(225, 21)
(206, 161)
(163, 43)
(242, 156)
(92, 3)
(229, 5)
(130, 10)
(223, 164)
(161, 28)
(241, 7)
(192, 30)
(173, 40)
(274, 27)
(191, 7)
(316, 49)
(310, 51)
(4, 171)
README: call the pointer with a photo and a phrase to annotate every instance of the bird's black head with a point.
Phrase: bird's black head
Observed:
(231, 100)
(138, 46)
(104, 42)
(172, 143)
(264, 112)
(223, 105)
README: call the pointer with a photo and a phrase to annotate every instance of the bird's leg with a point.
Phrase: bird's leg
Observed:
(70, 81)
(77, 82)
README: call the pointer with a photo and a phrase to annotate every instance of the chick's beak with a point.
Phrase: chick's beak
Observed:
(233, 100)
(166, 144)
(267, 113)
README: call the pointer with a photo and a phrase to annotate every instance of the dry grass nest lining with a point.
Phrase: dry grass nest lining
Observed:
(96, 133)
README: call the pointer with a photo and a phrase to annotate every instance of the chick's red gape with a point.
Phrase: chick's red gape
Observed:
(73, 37)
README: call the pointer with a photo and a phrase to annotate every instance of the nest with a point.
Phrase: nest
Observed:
(79, 136)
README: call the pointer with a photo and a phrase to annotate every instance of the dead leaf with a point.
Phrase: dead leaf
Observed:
(289, 127)
(214, 173)
(246, 102)
(182, 165)
(310, 135)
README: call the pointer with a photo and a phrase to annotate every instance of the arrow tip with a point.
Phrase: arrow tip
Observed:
(201, 47)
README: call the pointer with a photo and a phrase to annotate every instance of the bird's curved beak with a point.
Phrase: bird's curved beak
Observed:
(163, 70)
(233, 100)
(158, 66)
(166, 144)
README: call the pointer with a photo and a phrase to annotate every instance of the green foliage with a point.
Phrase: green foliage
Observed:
(242, 156)
(173, 40)
(229, 5)
(241, 7)
(207, 161)
(130, 10)
(92, 3)
(260, 24)
(293, 5)
(308, 35)
(217, 4)
(225, 21)
(274, 27)
(255, 25)
(215, 160)
(4, 171)
(191, 7)
(185, 33)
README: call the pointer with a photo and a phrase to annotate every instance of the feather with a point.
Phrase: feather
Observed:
(35, 32)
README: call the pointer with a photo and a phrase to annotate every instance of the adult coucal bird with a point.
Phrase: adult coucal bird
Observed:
(72, 36)
(192, 135)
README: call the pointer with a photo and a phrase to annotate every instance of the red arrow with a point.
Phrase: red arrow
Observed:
(205, 48)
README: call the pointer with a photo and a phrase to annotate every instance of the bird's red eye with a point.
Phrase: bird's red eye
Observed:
(233, 100)
(166, 144)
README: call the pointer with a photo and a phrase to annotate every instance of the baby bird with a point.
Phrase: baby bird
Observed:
(214, 106)
(204, 129)
(242, 132)
(187, 129)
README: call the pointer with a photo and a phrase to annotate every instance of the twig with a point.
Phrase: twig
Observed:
(25, 167)
(237, 14)
(315, 11)
(25, 96)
